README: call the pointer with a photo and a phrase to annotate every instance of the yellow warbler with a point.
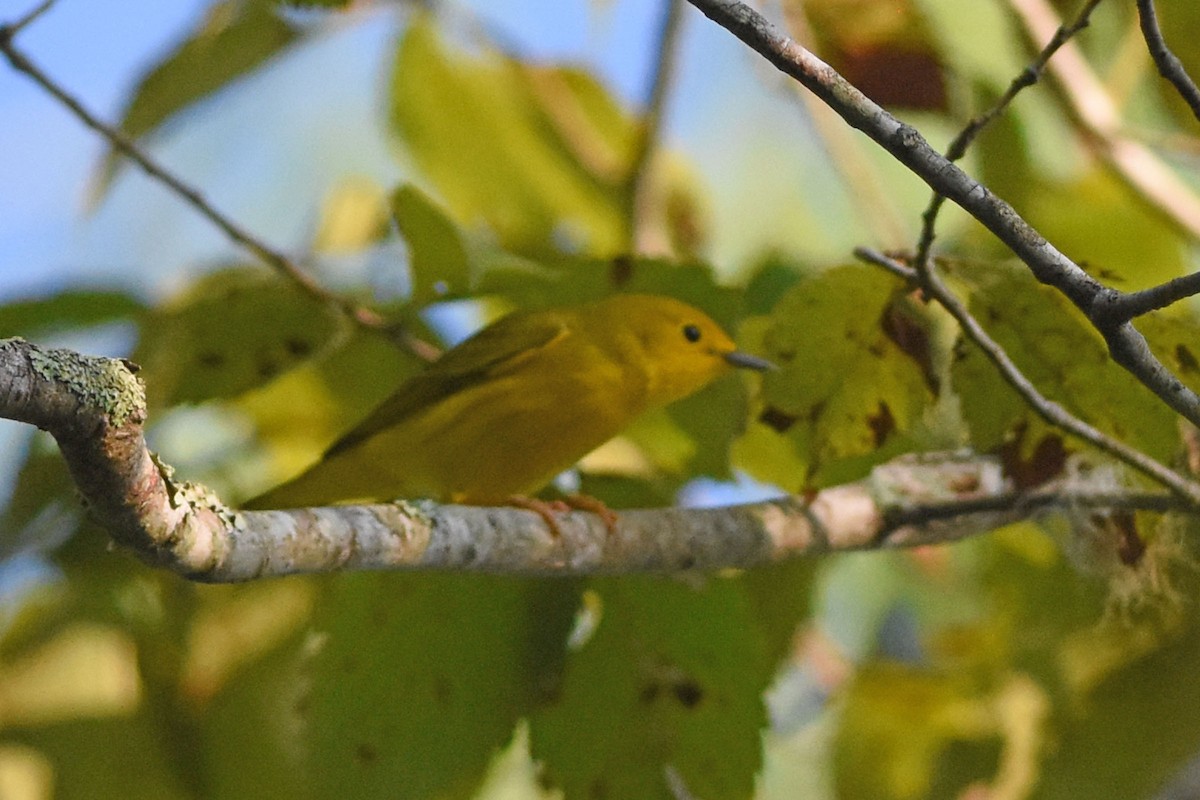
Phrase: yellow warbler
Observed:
(519, 402)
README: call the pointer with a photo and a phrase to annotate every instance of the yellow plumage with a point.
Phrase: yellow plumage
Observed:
(519, 402)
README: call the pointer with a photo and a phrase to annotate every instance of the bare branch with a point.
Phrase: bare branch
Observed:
(1169, 65)
(362, 316)
(9, 31)
(1127, 347)
(648, 133)
(94, 408)
(1047, 409)
(1124, 307)
(871, 196)
(958, 147)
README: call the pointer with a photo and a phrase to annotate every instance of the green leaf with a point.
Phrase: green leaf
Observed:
(439, 259)
(512, 145)
(423, 678)
(316, 3)
(253, 743)
(42, 511)
(852, 389)
(230, 331)
(235, 37)
(672, 679)
(112, 758)
(1175, 340)
(72, 308)
(1064, 357)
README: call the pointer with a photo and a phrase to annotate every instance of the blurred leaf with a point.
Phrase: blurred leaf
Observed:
(111, 758)
(317, 3)
(900, 720)
(423, 678)
(1175, 340)
(1135, 731)
(235, 37)
(672, 678)
(884, 49)
(1064, 357)
(300, 413)
(230, 331)
(253, 730)
(518, 147)
(994, 59)
(43, 511)
(850, 391)
(440, 261)
(71, 308)
(1118, 238)
(354, 216)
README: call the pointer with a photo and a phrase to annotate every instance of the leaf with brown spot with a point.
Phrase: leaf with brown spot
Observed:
(777, 420)
(1046, 462)
(673, 676)
(881, 423)
(1061, 354)
(852, 396)
(231, 331)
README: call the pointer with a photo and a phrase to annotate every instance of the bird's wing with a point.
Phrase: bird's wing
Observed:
(494, 350)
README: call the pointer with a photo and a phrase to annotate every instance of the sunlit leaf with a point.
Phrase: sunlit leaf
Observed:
(71, 308)
(235, 37)
(519, 147)
(439, 259)
(850, 391)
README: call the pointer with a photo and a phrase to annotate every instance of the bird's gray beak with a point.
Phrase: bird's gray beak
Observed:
(740, 359)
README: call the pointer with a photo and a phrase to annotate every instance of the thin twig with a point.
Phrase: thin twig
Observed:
(662, 76)
(928, 513)
(1047, 409)
(273, 258)
(1169, 65)
(958, 147)
(7, 32)
(1098, 118)
(1123, 307)
(866, 188)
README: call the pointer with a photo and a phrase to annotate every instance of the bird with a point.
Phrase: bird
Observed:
(501, 414)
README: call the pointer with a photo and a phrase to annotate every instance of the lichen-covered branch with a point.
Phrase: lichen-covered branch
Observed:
(94, 408)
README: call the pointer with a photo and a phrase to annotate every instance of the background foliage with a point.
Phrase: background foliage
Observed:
(1029, 663)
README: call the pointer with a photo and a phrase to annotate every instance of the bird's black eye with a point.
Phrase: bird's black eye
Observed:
(691, 333)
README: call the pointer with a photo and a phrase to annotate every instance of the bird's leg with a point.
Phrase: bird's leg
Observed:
(585, 502)
(547, 509)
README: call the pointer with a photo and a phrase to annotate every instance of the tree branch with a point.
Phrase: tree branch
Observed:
(1127, 347)
(1169, 65)
(637, 176)
(362, 316)
(95, 409)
